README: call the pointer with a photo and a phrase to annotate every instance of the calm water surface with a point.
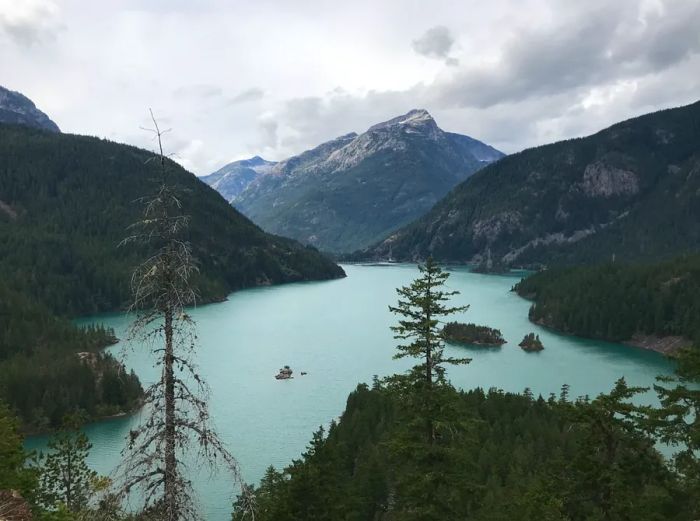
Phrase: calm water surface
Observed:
(338, 332)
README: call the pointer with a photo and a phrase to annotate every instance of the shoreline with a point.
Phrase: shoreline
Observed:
(668, 346)
(31, 433)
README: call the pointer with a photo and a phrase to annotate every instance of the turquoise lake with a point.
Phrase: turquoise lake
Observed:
(338, 332)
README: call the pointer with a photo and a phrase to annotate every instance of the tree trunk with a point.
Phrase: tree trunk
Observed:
(429, 369)
(170, 488)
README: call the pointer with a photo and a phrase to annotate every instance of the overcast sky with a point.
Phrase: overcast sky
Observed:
(234, 79)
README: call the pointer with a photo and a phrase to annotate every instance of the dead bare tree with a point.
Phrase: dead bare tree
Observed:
(177, 422)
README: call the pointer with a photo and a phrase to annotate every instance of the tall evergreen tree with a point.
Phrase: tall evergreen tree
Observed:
(421, 305)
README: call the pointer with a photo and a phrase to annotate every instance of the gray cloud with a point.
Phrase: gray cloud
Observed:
(29, 22)
(594, 46)
(252, 94)
(436, 42)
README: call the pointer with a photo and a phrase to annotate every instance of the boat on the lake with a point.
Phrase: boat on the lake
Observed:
(285, 373)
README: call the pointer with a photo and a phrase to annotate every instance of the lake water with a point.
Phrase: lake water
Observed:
(338, 332)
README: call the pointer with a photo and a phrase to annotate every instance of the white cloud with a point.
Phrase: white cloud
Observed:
(235, 79)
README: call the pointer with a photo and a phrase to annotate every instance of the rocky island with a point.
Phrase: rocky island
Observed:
(472, 334)
(285, 373)
(531, 342)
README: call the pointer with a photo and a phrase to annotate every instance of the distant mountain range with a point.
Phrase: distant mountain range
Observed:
(354, 190)
(231, 180)
(17, 109)
(631, 191)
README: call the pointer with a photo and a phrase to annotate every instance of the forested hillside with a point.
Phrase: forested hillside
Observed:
(66, 203)
(499, 456)
(614, 301)
(41, 374)
(631, 190)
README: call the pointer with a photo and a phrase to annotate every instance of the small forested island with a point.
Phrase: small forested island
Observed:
(472, 334)
(531, 342)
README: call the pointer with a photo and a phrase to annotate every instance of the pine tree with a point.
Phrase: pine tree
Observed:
(616, 458)
(14, 474)
(677, 421)
(421, 305)
(66, 479)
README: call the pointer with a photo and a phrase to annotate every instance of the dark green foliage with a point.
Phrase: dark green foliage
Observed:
(70, 200)
(65, 477)
(420, 307)
(514, 459)
(677, 420)
(14, 475)
(630, 190)
(531, 342)
(472, 334)
(65, 204)
(616, 300)
(41, 376)
(616, 473)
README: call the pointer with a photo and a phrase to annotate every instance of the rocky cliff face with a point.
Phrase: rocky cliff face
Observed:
(17, 109)
(353, 190)
(630, 191)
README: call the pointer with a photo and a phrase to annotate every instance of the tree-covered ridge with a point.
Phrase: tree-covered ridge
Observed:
(507, 457)
(68, 200)
(43, 378)
(632, 190)
(614, 301)
(472, 334)
(66, 203)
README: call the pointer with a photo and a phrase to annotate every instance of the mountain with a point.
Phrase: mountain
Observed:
(235, 177)
(17, 109)
(350, 192)
(631, 191)
(66, 202)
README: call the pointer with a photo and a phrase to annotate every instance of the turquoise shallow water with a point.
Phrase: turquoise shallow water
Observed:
(338, 331)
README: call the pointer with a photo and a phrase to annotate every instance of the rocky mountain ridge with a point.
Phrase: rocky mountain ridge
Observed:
(350, 191)
(17, 109)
